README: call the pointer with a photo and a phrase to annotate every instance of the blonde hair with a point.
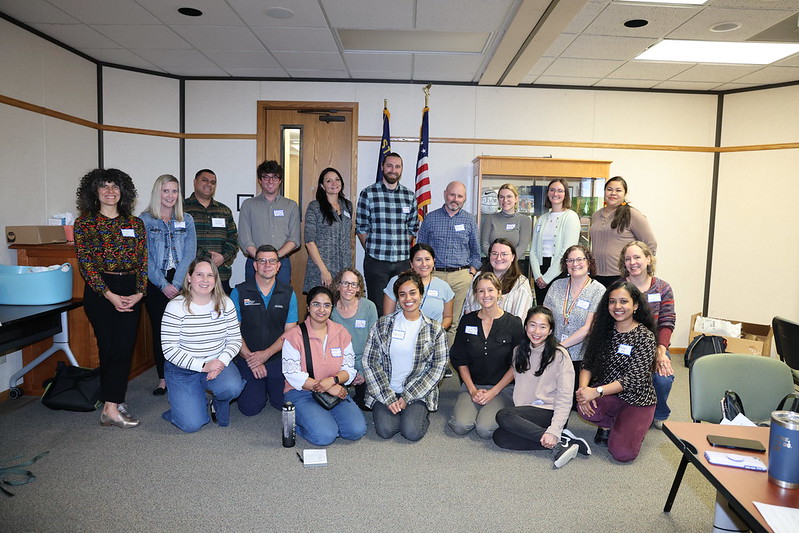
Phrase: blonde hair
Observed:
(217, 294)
(512, 188)
(154, 209)
(488, 276)
(650, 268)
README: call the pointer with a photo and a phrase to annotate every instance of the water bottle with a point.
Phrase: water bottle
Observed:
(288, 425)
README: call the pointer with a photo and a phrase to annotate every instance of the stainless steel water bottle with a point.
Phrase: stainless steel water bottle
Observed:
(288, 425)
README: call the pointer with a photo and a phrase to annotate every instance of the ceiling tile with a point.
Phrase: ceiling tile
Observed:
(120, 56)
(454, 67)
(560, 44)
(588, 67)
(563, 80)
(734, 86)
(756, 4)
(371, 14)
(257, 73)
(378, 62)
(219, 37)
(35, 11)
(106, 11)
(242, 59)
(662, 20)
(198, 71)
(138, 36)
(307, 13)
(626, 83)
(601, 47)
(399, 74)
(314, 73)
(296, 39)
(77, 36)
(648, 70)
(169, 59)
(687, 85)
(462, 15)
(753, 22)
(585, 16)
(540, 66)
(715, 73)
(790, 61)
(310, 60)
(215, 13)
(769, 75)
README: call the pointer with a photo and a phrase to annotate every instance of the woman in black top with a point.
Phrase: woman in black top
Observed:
(482, 354)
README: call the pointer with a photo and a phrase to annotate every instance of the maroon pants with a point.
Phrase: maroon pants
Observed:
(629, 424)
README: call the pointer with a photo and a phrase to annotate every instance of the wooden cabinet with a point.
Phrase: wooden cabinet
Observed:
(81, 335)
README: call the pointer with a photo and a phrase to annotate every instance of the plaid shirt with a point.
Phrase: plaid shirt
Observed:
(454, 238)
(223, 240)
(388, 217)
(429, 362)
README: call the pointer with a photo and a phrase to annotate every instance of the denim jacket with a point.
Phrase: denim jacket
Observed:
(182, 240)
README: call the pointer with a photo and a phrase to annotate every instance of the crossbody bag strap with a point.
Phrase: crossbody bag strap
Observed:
(307, 342)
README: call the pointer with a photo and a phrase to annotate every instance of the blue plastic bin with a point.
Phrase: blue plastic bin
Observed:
(20, 286)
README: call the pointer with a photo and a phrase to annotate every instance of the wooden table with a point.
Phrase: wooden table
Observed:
(741, 487)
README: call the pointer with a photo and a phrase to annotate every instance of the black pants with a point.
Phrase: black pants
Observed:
(607, 281)
(115, 333)
(540, 294)
(156, 304)
(377, 274)
(521, 428)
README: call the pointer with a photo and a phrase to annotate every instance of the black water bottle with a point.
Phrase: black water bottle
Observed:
(288, 425)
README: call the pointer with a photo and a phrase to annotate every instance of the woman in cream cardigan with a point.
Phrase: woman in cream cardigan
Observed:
(554, 232)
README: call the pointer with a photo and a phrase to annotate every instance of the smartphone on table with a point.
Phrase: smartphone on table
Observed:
(736, 443)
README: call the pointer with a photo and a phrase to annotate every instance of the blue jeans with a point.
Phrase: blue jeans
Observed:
(186, 389)
(662, 386)
(283, 275)
(319, 426)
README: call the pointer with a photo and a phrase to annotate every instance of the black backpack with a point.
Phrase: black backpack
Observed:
(704, 345)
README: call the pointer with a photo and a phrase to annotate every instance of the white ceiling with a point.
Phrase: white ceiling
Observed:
(541, 42)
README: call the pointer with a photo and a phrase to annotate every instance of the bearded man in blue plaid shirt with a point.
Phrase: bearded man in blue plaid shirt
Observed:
(385, 223)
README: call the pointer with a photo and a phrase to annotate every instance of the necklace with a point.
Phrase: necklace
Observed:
(567, 309)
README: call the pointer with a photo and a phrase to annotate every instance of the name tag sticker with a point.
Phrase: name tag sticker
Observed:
(218, 223)
(625, 349)
(346, 214)
(471, 330)
(433, 293)
(335, 352)
(277, 212)
(398, 334)
(538, 401)
(653, 297)
(128, 232)
(509, 227)
(537, 229)
(460, 227)
(248, 301)
(406, 209)
(360, 323)
(215, 315)
(563, 337)
(180, 224)
(583, 304)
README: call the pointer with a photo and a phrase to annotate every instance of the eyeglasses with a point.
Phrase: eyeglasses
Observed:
(263, 261)
(324, 305)
(503, 255)
(576, 261)
(351, 284)
(270, 177)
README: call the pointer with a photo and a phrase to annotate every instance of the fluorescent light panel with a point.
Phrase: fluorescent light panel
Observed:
(672, 2)
(718, 52)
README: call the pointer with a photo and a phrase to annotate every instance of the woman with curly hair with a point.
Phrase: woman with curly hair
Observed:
(111, 248)
(616, 391)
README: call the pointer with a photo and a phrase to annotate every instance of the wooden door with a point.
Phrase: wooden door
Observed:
(327, 137)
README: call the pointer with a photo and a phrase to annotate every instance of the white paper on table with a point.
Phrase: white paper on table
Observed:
(314, 457)
(739, 420)
(780, 519)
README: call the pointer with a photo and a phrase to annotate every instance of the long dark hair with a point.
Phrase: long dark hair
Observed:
(602, 328)
(521, 360)
(513, 272)
(321, 196)
(621, 219)
(88, 202)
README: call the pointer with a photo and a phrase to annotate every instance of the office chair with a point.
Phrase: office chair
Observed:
(761, 382)
(786, 336)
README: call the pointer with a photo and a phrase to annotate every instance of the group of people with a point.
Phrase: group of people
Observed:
(389, 335)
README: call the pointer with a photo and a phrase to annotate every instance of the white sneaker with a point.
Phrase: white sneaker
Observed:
(584, 448)
(564, 451)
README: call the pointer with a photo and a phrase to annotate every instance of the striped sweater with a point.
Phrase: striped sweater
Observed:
(191, 339)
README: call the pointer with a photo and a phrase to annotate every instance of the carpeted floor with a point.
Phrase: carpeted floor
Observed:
(240, 478)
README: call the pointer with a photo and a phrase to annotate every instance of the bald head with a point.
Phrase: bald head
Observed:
(454, 197)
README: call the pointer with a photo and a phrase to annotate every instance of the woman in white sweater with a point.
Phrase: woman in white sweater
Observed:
(200, 337)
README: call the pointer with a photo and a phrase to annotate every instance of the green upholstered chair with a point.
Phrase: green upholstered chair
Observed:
(761, 383)
(786, 337)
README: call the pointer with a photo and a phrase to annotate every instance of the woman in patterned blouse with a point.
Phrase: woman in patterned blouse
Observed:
(111, 247)
(616, 391)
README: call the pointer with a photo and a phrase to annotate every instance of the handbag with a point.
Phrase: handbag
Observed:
(73, 388)
(325, 399)
(794, 405)
(731, 405)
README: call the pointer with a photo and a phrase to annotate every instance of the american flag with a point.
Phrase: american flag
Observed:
(422, 174)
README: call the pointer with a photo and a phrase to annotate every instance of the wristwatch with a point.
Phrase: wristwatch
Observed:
(336, 380)
(601, 391)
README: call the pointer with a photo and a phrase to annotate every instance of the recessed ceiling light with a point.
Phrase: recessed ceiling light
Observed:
(636, 23)
(190, 12)
(722, 27)
(280, 13)
(719, 52)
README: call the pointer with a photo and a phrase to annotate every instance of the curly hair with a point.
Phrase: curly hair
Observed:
(337, 281)
(650, 268)
(88, 201)
(269, 167)
(404, 277)
(588, 255)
